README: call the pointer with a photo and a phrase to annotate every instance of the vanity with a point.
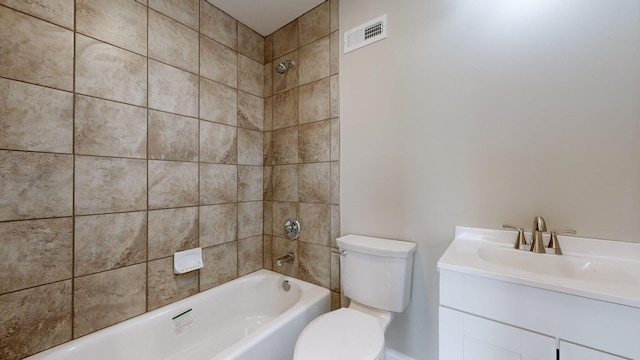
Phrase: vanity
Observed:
(500, 303)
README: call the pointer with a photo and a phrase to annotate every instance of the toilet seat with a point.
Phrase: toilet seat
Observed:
(343, 334)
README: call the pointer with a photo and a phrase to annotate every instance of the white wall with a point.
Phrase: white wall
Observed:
(483, 113)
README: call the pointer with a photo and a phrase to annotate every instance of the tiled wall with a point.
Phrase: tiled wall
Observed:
(131, 130)
(128, 131)
(302, 152)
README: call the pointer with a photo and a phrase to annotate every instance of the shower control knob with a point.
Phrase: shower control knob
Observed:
(292, 228)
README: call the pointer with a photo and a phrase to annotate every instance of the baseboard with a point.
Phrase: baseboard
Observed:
(390, 354)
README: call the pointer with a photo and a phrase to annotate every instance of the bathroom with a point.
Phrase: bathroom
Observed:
(472, 114)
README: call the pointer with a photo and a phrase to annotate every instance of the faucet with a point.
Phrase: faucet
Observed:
(537, 244)
(285, 259)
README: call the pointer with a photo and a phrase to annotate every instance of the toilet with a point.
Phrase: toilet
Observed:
(375, 274)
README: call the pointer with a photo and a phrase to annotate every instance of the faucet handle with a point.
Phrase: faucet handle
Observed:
(553, 242)
(520, 241)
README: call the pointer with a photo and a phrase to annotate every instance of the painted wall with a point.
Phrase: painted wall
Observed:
(488, 113)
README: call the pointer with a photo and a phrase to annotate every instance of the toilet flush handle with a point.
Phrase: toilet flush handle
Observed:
(338, 252)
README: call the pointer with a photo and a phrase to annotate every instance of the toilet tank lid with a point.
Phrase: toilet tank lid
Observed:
(376, 246)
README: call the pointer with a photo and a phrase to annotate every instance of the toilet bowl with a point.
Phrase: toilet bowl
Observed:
(376, 275)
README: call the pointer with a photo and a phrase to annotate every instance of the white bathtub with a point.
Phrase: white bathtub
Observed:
(249, 318)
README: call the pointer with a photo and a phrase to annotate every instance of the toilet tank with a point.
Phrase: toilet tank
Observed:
(376, 272)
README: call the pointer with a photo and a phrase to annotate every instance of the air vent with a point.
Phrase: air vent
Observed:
(365, 34)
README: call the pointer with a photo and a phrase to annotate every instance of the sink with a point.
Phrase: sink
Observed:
(600, 269)
(564, 267)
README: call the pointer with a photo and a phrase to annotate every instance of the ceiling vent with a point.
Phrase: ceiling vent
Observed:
(365, 34)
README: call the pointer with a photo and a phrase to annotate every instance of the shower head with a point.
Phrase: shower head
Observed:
(282, 67)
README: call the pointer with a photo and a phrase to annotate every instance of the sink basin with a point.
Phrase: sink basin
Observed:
(564, 267)
(600, 269)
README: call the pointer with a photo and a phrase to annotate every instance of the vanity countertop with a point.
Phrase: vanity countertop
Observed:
(599, 269)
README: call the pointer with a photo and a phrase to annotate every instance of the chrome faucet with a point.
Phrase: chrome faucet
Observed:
(285, 259)
(539, 227)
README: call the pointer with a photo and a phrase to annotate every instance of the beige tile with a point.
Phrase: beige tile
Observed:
(335, 225)
(35, 252)
(315, 141)
(315, 24)
(218, 224)
(268, 80)
(268, 182)
(107, 128)
(282, 247)
(250, 76)
(284, 146)
(315, 182)
(143, 2)
(250, 111)
(316, 220)
(172, 90)
(267, 253)
(218, 184)
(250, 147)
(335, 96)
(314, 61)
(218, 62)
(335, 301)
(249, 255)
(35, 118)
(335, 182)
(285, 183)
(266, 148)
(268, 114)
(172, 137)
(281, 212)
(59, 12)
(218, 143)
(108, 72)
(285, 40)
(35, 185)
(335, 139)
(172, 230)
(315, 101)
(35, 319)
(288, 80)
(249, 219)
(285, 109)
(218, 25)
(268, 48)
(250, 43)
(165, 287)
(173, 43)
(267, 214)
(119, 22)
(104, 185)
(314, 265)
(333, 14)
(35, 51)
(250, 183)
(334, 44)
(106, 298)
(220, 265)
(106, 242)
(172, 184)
(218, 102)
(184, 11)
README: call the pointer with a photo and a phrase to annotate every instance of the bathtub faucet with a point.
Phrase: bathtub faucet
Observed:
(285, 259)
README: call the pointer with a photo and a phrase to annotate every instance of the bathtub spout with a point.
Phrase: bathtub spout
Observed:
(285, 259)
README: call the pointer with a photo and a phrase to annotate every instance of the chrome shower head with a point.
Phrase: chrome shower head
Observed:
(282, 67)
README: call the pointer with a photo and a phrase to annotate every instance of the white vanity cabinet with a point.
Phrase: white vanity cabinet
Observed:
(468, 337)
(498, 303)
(571, 351)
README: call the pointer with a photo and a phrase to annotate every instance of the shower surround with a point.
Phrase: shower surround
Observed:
(131, 130)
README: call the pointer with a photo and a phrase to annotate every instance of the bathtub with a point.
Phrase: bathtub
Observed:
(250, 318)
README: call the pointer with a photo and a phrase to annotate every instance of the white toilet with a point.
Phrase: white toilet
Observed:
(376, 275)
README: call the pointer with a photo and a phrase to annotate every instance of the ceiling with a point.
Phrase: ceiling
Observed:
(265, 16)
